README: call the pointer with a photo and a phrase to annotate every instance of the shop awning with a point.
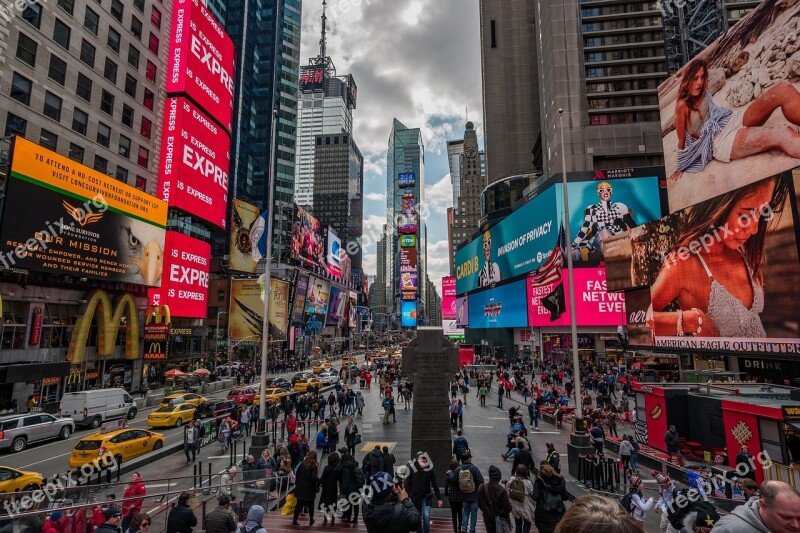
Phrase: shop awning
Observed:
(33, 371)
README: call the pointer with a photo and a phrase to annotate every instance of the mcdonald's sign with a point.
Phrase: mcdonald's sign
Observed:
(155, 350)
(74, 377)
(158, 315)
(108, 323)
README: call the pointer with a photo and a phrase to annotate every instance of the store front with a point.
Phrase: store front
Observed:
(767, 370)
(593, 346)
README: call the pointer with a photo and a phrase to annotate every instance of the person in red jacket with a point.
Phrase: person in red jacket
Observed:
(130, 508)
(79, 521)
(97, 511)
(291, 424)
(57, 523)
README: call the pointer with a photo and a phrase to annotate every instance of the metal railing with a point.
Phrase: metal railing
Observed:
(600, 473)
(787, 474)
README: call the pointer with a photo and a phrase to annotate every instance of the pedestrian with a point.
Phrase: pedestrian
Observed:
(190, 441)
(329, 484)
(453, 497)
(666, 492)
(460, 445)
(777, 508)
(673, 443)
(745, 459)
(56, 523)
(181, 518)
(226, 486)
(143, 389)
(520, 492)
(453, 414)
(360, 403)
(625, 450)
(221, 519)
(639, 507)
(388, 460)
(482, 392)
(634, 454)
(140, 524)
(468, 479)
(333, 435)
(593, 512)
(391, 409)
(549, 493)
(611, 420)
(255, 519)
(495, 504)
(422, 486)
(112, 516)
(351, 435)
(373, 462)
(224, 435)
(132, 507)
(351, 480)
(533, 412)
(390, 510)
(244, 420)
(500, 393)
(305, 488)
(321, 440)
(598, 437)
(522, 457)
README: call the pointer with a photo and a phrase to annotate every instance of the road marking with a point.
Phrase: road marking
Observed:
(370, 445)
(157, 485)
(218, 457)
(534, 432)
(498, 418)
(487, 427)
(45, 460)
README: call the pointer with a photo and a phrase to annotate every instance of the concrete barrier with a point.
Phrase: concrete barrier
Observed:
(154, 398)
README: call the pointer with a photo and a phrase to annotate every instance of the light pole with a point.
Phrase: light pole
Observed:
(579, 427)
(216, 339)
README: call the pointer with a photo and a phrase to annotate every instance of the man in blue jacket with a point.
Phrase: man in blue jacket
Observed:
(467, 478)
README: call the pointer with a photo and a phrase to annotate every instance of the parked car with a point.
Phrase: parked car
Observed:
(242, 395)
(215, 408)
(329, 377)
(13, 480)
(93, 407)
(124, 444)
(302, 386)
(18, 431)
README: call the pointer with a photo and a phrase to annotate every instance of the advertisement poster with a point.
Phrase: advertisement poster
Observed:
(501, 307)
(83, 223)
(243, 215)
(308, 243)
(408, 259)
(408, 281)
(723, 274)
(406, 180)
(352, 309)
(452, 330)
(185, 277)
(195, 157)
(299, 304)
(317, 298)
(408, 241)
(729, 116)
(202, 60)
(337, 306)
(448, 298)
(334, 253)
(409, 314)
(462, 312)
(247, 310)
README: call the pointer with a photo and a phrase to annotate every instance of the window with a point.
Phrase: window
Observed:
(149, 99)
(130, 85)
(75, 152)
(136, 27)
(103, 134)
(87, 53)
(146, 128)
(124, 146)
(133, 56)
(61, 34)
(91, 21)
(127, 115)
(122, 174)
(154, 42)
(67, 5)
(48, 139)
(58, 69)
(139, 4)
(21, 89)
(26, 49)
(151, 71)
(100, 164)
(107, 103)
(33, 15)
(117, 9)
(144, 157)
(52, 106)
(155, 17)
(80, 120)
(113, 39)
(141, 183)
(15, 125)
(84, 89)
(110, 71)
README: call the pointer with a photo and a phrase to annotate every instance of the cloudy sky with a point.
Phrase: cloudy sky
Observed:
(417, 61)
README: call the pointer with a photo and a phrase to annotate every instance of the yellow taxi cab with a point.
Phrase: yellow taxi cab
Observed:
(184, 397)
(13, 480)
(302, 386)
(124, 444)
(321, 365)
(171, 415)
(349, 361)
(272, 394)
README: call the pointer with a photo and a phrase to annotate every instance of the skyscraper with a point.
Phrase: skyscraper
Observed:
(467, 173)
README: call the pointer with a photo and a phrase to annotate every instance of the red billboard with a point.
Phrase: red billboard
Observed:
(448, 298)
(184, 282)
(195, 158)
(202, 60)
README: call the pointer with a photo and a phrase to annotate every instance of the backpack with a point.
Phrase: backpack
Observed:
(466, 484)
(627, 501)
(359, 477)
(551, 501)
(516, 490)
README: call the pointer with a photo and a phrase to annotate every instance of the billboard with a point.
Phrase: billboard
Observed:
(317, 297)
(243, 215)
(500, 307)
(408, 260)
(408, 281)
(62, 217)
(352, 310)
(723, 274)
(337, 307)
(334, 259)
(409, 314)
(462, 312)
(408, 241)
(184, 286)
(448, 298)
(247, 309)
(548, 305)
(308, 244)
(195, 157)
(728, 117)
(406, 180)
(202, 60)
(407, 223)
(312, 77)
(451, 329)
(299, 303)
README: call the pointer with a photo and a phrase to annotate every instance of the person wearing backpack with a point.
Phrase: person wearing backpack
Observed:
(467, 479)
(533, 411)
(634, 503)
(495, 504)
(520, 489)
(598, 438)
(549, 493)
(522, 457)
(460, 445)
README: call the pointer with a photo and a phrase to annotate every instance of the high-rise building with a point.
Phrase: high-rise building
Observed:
(467, 175)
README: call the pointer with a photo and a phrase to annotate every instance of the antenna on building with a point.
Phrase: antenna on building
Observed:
(467, 107)
(323, 40)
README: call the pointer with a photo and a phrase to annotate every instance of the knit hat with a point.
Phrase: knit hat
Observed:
(109, 512)
(495, 474)
(707, 516)
(663, 480)
(635, 481)
(655, 473)
(55, 516)
(382, 483)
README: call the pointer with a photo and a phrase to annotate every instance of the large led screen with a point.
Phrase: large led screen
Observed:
(299, 303)
(501, 307)
(337, 306)
(317, 298)
(243, 215)
(462, 312)
(448, 298)
(408, 311)
(247, 310)
(308, 242)
(548, 305)
(184, 285)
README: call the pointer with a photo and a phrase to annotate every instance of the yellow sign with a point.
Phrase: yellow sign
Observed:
(369, 446)
(108, 325)
(158, 314)
(53, 170)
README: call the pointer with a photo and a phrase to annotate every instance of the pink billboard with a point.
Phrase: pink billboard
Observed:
(202, 60)
(548, 306)
(448, 298)
(184, 282)
(195, 158)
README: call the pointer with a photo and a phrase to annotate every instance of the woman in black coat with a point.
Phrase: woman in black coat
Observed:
(306, 485)
(330, 492)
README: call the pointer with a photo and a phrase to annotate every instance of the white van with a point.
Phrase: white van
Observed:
(93, 407)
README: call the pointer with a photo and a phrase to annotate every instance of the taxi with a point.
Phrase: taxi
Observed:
(350, 360)
(13, 480)
(302, 386)
(183, 397)
(124, 444)
(171, 415)
(272, 394)
(321, 365)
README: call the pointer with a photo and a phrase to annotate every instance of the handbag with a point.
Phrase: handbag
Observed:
(502, 525)
(289, 505)
(357, 439)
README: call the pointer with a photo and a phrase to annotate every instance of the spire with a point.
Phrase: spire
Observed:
(323, 40)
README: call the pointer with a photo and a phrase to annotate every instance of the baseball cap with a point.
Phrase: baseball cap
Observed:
(112, 511)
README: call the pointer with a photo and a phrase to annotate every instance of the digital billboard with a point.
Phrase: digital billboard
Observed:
(65, 218)
(312, 77)
(448, 298)
(729, 116)
(452, 330)
(334, 259)
(462, 312)
(409, 314)
(408, 241)
(337, 306)
(352, 309)
(317, 297)
(408, 281)
(202, 60)
(406, 180)
(408, 260)
(308, 243)
(407, 223)
(243, 215)
(548, 305)
(723, 274)
(298, 306)
(500, 307)
(247, 310)
(184, 285)
(195, 157)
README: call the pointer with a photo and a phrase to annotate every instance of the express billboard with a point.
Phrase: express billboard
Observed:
(202, 60)
(408, 312)
(184, 286)
(448, 298)
(308, 244)
(334, 259)
(500, 307)
(62, 217)
(195, 157)
(548, 305)
(729, 116)
(247, 309)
